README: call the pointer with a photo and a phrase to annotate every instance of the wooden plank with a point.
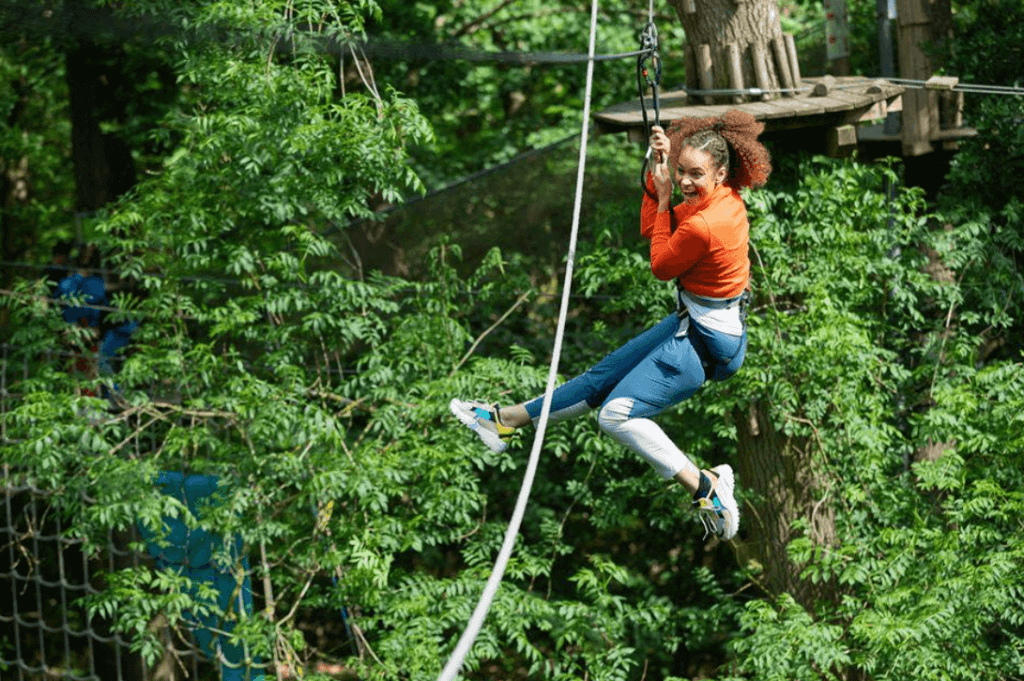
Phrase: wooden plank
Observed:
(841, 140)
(761, 110)
(838, 100)
(855, 84)
(707, 78)
(794, 63)
(803, 111)
(797, 106)
(941, 83)
(955, 134)
(772, 110)
(916, 123)
(732, 51)
(782, 59)
(701, 111)
(757, 53)
(934, 119)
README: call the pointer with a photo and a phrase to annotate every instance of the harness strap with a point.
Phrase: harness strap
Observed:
(742, 301)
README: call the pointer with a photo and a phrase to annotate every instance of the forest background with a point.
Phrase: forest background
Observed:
(254, 182)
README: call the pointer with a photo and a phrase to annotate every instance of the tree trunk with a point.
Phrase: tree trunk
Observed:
(735, 44)
(779, 472)
(104, 168)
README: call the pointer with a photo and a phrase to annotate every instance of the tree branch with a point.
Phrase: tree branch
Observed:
(493, 326)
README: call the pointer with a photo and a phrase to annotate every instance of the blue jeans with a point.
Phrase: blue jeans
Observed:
(656, 369)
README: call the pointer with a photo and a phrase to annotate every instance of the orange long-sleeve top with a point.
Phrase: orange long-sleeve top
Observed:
(708, 252)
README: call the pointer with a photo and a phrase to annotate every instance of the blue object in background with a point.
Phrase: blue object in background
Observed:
(91, 288)
(190, 553)
(114, 340)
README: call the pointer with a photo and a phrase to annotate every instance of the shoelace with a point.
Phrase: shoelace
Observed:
(709, 517)
(710, 514)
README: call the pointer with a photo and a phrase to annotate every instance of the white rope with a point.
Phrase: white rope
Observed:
(451, 669)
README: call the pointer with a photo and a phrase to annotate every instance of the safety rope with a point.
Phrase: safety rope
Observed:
(451, 669)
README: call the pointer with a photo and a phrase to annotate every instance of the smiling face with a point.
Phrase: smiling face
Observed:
(697, 174)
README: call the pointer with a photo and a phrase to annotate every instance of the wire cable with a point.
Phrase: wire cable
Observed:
(963, 87)
(391, 49)
(454, 664)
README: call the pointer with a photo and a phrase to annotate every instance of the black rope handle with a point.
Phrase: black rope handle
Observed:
(649, 53)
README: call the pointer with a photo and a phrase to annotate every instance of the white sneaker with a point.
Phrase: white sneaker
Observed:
(482, 419)
(716, 504)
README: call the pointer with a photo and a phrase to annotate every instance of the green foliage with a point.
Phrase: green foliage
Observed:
(805, 20)
(987, 50)
(854, 350)
(785, 642)
(33, 148)
(318, 393)
(986, 45)
(485, 113)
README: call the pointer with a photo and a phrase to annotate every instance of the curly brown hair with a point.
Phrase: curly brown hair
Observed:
(752, 163)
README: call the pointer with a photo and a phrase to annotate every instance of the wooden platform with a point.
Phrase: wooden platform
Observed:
(853, 99)
(876, 133)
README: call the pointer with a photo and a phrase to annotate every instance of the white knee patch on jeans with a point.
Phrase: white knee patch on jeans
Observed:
(643, 436)
(572, 411)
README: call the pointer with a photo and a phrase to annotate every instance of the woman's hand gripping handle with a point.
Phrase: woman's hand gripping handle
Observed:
(661, 146)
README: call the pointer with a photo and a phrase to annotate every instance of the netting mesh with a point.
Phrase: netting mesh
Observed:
(45, 631)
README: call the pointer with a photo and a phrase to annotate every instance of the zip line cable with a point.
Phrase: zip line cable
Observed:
(451, 669)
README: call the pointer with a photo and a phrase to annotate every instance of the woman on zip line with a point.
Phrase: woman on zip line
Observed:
(702, 244)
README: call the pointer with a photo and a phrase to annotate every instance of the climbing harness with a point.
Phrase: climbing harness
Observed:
(746, 298)
(647, 62)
